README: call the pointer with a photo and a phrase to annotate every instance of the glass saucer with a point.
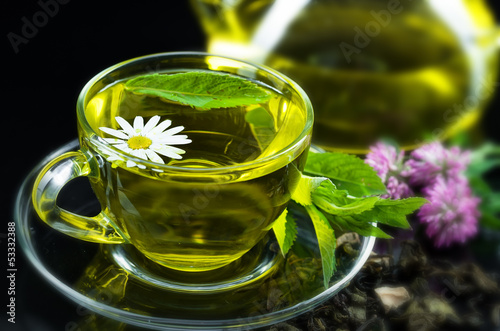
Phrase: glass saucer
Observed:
(92, 275)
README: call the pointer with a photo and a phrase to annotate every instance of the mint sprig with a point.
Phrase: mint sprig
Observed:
(341, 193)
(201, 89)
(347, 172)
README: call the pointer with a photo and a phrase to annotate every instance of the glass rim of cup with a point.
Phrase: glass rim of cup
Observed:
(99, 142)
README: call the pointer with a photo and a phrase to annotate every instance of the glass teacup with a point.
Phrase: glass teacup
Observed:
(204, 200)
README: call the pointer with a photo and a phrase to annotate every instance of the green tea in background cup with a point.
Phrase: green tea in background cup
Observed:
(192, 157)
(403, 70)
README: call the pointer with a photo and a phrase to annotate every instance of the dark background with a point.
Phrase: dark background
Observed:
(40, 85)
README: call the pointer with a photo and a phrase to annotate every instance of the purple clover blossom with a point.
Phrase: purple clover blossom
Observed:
(451, 214)
(438, 173)
(397, 189)
(390, 167)
(431, 160)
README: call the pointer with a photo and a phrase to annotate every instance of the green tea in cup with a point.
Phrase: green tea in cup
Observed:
(192, 157)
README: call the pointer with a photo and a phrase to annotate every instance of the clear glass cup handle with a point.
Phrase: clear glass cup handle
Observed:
(49, 183)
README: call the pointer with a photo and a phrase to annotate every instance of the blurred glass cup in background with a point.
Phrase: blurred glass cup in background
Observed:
(403, 70)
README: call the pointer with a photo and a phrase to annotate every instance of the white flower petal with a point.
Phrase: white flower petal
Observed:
(161, 127)
(150, 125)
(173, 131)
(140, 153)
(131, 164)
(169, 151)
(113, 132)
(125, 126)
(124, 147)
(159, 147)
(114, 158)
(168, 136)
(173, 140)
(138, 124)
(154, 157)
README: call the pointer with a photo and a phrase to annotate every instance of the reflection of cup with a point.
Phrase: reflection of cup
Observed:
(403, 70)
(197, 213)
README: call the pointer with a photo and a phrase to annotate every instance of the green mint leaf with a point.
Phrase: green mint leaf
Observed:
(347, 172)
(326, 241)
(394, 212)
(200, 89)
(350, 208)
(285, 230)
(339, 202)
(306, 185)
(358, 224)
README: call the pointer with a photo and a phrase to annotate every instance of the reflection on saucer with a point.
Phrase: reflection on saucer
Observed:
(287, 283)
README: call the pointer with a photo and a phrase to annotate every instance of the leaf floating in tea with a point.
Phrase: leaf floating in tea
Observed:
(203, 90)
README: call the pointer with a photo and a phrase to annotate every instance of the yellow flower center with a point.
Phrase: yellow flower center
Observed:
(139, 142)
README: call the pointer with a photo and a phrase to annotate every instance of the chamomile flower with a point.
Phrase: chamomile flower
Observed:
(146, 141)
